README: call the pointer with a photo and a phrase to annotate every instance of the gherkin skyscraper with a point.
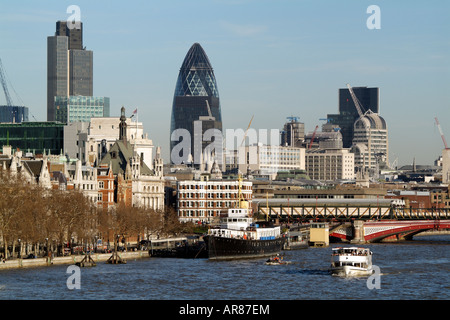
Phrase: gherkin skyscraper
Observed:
(196, 98)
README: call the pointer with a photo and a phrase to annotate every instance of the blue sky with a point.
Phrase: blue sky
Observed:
(272, 59)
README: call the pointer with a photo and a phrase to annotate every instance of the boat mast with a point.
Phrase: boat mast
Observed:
(239, 191)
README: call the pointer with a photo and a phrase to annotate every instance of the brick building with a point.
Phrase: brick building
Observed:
(204, 200)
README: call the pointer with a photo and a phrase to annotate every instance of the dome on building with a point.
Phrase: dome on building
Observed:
(371, 120)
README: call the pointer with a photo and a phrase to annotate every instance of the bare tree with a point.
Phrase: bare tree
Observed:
(12, 191)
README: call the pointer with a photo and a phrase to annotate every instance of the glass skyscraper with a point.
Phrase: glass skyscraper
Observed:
(69, 66)
(369, 98)
(196, 96)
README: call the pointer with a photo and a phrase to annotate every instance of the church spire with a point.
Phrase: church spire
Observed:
(123, 126)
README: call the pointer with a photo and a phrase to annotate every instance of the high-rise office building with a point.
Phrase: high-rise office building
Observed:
(75, 34)
(196, 95)
(69, 66)
(293, 133)
(370, 142)
(369, 98)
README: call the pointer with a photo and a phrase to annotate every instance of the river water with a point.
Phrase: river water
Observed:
(413, 270)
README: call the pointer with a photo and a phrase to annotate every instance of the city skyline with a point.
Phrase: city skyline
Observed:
(271, 60)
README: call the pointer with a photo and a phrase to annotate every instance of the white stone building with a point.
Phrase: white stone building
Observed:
(446, 166)
(330, 164)
(370, 142)
(138, 184)
(29, 169)
(269, 159)
(89, 141)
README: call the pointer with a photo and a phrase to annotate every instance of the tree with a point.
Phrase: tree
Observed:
(172, 225)
(12, 191)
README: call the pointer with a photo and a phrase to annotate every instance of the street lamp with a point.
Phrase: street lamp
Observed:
(18, 255)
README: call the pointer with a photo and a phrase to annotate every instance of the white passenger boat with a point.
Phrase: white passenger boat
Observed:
(351, 261)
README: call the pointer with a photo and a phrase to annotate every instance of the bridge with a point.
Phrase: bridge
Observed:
(357, 220)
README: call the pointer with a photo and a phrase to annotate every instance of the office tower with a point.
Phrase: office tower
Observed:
(446, 166)
(196, 95)
(293, 133)
(348, 113)
(268, 160)
(330, 164)
(69, 66)
(75, 35)
(370, 142)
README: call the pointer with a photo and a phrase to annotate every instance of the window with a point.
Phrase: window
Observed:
(101, 184)
(100, 196)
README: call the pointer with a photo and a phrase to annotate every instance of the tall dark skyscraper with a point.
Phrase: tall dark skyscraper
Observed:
(69, 66)
(75, 35)
(196, 97)
(369, 98)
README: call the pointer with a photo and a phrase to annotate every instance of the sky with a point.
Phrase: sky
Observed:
(271, 59)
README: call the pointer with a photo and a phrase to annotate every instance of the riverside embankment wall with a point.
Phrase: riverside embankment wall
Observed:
(42, 262)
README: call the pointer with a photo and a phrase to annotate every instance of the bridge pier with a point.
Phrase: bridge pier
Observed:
(358, 231)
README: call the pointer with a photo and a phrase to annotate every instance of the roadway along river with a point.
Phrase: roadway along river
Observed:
(414, 270)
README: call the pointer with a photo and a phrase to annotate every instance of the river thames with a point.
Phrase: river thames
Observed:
(413, 270)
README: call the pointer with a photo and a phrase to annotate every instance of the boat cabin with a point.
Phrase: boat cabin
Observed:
(351, 251)
(351, 256)
(235, 219)
(237, 223)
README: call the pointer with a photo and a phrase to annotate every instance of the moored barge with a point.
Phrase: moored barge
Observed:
(237, 236)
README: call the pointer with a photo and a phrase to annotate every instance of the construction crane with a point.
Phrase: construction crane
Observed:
(4, 85)
(312, 138)
(442, 134)
(366, 124)
(209, 109)
(246, 131)
(355, 100)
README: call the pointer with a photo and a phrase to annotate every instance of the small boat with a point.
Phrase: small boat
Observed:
(297, 238)
(277, 260)
(351, 261)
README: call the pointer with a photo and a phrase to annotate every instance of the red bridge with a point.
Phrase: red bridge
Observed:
(385, 230)
(357, 220)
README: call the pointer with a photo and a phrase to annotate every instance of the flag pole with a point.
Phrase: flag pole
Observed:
(135, 136)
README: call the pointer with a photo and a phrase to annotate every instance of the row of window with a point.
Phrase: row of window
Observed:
(212, 187)
(198, 213)
(211, 195)
(209, 204)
